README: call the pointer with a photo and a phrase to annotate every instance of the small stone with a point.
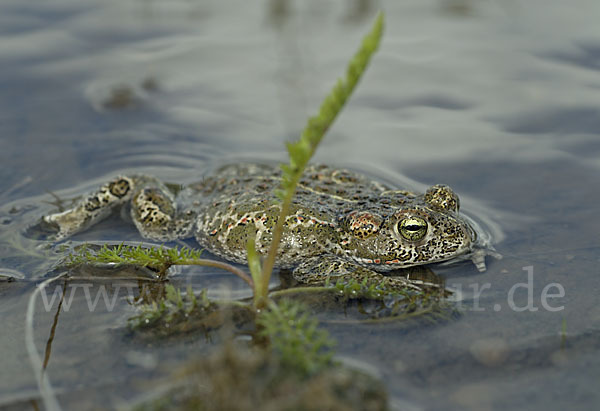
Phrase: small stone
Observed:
(399, 366)
(490, 352)
(559, 358)
(475, 396)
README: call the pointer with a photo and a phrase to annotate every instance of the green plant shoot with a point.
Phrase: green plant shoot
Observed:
(301, 151)
(295, 336)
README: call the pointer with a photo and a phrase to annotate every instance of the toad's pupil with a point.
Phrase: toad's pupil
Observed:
(413, 227)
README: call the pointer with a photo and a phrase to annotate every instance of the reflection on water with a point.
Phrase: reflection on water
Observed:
(497, 99)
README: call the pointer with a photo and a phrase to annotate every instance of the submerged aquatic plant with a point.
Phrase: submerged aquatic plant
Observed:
(174, 313)
(294, 335)
(296, 373)
(159, 259)
(174, 306)
(245, 379)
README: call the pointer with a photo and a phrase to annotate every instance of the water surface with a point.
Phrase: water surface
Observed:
(498, 99)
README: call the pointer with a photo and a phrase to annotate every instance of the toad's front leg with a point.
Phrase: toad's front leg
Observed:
(332, 269)
(153, 209)
(93, 208)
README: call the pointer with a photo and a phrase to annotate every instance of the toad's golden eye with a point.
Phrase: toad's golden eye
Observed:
(412, 228)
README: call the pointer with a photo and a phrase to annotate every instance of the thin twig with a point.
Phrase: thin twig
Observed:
(53, 328)
(44, 386)
(219, 264)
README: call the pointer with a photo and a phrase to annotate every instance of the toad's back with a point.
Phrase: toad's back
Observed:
(335, 211)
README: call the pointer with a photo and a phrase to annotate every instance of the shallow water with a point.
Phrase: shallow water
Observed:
(497, 99)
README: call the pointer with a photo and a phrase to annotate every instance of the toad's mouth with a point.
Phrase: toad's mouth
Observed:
(380, 264)
(409, 260)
